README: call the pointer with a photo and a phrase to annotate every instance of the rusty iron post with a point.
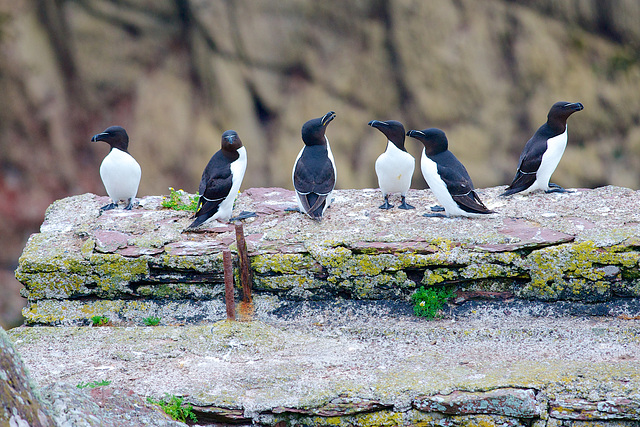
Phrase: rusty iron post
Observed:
(228, 284)
(245, 268)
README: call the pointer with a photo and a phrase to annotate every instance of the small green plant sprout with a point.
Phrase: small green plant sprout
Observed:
(93, 384)
(151, 321)
(99, 320)
(176, 200)
(428, 302)
(175, 407)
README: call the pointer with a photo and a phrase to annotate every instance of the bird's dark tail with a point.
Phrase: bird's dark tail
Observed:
(316, 203)
(199, 220)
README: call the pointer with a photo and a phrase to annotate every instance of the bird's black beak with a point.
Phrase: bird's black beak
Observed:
(375, 123)
(328, 117)
(576, 106)
(411, 133)
(98, 137)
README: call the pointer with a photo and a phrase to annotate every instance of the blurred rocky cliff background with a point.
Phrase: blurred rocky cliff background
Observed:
(177, 73)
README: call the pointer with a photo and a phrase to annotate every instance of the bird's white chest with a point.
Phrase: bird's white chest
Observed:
(238, 168)
(394, 169)
(550, 160)
(120, 174)
(438, 187)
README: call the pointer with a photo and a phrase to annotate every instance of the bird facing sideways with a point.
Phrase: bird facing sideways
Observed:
(119, 171)
(395, 166)
(446, 176)
(542, 153)
(221, 180)
(314, 171)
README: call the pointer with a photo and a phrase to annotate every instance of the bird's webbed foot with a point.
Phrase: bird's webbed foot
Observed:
(386, 204)
(243, 215)
(437, 208)
(434, 215)
(555, 188)
(405, 205)
(109, 207)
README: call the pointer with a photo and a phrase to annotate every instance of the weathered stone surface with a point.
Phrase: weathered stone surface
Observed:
(20, 403)
(520, 403)
(582, 409)
(579, 246)
(365, 363)
(103, 406)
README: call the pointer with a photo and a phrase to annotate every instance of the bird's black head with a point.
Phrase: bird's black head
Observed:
(560, 112)
(115, 136)
(230, 141)
(313, 130)
(393, 130)
(434, 140)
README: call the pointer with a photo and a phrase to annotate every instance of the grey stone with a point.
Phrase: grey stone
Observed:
(20, 402)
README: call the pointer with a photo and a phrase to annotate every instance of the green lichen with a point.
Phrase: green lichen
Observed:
(284, 263)
(210, 263)
(49, 252)
(285, 282)
(477, 271)
(194, 291)
(438, 275)
(574, 271)
(381, 286)
(104, 275)
(52, 285)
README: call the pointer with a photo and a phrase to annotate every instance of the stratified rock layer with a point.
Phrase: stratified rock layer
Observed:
(581, 247)
(20, 404)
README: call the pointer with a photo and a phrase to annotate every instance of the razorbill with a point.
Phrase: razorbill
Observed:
(446, 176)
(395, 166)
(119, 171)
(221, 180)
(542, 153)
(314, 171)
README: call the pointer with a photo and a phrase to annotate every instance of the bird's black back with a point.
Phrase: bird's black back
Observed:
(314, 171)
(453, 173)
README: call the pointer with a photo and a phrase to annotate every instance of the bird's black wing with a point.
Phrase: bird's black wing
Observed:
(215, 186)
(460, 186)
(530, 160)
(313, 179)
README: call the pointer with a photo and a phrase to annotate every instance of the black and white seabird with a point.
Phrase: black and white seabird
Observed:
(542, 153)
(119, 171)
(221, 180)
(314, 171)
(395, 166)
(446, 176)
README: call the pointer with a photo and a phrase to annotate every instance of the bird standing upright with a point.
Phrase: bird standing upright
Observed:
(221, 180)
(542, 153)
(314, 171)
(119, 171)
(446, 176)
(395, 166)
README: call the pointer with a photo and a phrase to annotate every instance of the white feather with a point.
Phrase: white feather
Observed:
(238, 168)
(439, 188)
(394, 169)
(550, 160)
(120, 174)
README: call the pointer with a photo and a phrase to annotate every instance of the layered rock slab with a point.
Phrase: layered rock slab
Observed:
(579, 247)
(350, 363)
